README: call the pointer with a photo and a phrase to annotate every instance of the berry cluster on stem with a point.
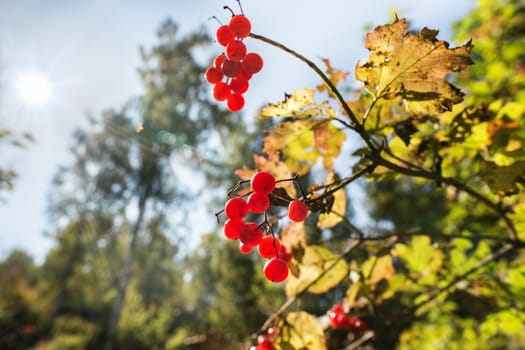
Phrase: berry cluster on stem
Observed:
(260, 236)
(232, 70)
(339, 319)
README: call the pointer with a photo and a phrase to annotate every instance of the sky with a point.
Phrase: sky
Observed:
(88, 51)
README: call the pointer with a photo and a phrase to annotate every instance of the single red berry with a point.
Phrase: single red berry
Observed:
(217, 63)
(239, 86)
(235, 102)
(235, 51)
(251, 234)
(276, 270)
(230, 69)
(335, 310)
(236, 208)
(263, 182)
(258, 202)
(252, 63)
(221, 91)
(245, 248)
(213, 75)
(240, 26)
(224, 35)
(232, 228)
(356, 325)
(264, 343)
(297, 210)
(269, 247)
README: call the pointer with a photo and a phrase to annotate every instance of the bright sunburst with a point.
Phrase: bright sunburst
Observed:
(34, 89)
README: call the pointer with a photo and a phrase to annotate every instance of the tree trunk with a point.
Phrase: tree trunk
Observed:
(126, 273)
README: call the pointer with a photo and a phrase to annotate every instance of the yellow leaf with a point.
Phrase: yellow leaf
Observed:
(414, 66)
(300, 104)
(301, 331)
(320, 271)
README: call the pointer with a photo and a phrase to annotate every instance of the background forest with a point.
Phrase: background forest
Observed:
(125, 271)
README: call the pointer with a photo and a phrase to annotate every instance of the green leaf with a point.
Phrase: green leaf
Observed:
(414, 66)
(378, 268)
(320, 265)
(504, 180)
(300, 331)
(420, 256)
(300, 104)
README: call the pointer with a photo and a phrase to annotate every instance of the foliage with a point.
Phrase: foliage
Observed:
(436, 258)
(439, 141)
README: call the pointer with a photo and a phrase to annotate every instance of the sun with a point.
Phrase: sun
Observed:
(34, 89)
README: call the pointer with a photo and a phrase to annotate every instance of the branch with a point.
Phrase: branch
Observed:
(356, 126)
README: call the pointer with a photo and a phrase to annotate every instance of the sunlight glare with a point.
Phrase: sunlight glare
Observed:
(34, 89)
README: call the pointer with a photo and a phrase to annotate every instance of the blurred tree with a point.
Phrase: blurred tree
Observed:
(113, 208)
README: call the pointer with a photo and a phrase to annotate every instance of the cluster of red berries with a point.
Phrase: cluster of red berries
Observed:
(341, 320)
(232, 70)
(252, 234)
(265, 341)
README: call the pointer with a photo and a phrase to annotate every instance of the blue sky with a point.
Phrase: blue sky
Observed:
(88, 49)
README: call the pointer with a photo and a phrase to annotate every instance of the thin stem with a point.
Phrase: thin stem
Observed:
(240, 6)
(215, 18)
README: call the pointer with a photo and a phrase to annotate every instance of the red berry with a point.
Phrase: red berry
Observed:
(252, 63)
(235, 51)
(236, 208)
(297, 210)
(230, 69)
(217, 63)
(269, 247)
(264, 343)
(239, 86)
(232, 228)
(263, 182)
(271, 332)
(337, 317)
(356, 325)
(244, 76)
(258, 202)
(213, 75)
(245, 248)
(276, 270)
(224, 35)
(251, 234)
(221, 91)
(240, 26)
(235, 102)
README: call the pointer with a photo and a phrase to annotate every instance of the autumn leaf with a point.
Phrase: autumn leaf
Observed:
(335, 75)
(303, 142)
(320, 271)
(413, 66)
(300, 331)
(300, 104)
